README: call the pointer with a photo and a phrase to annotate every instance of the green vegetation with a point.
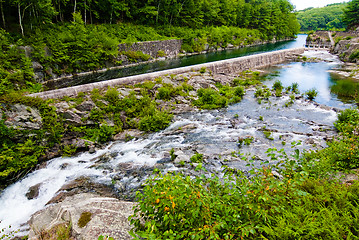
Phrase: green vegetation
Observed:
(69, 37)
(197, 158)
(325, 18)
(311, 94)
(84, 219)
(299, 204)
(270, 17)
(245, 141)
(343, 152)
(211, 99)
(262, 93)
(351, 18)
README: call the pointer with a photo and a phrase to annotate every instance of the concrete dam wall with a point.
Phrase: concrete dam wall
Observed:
(229, 66)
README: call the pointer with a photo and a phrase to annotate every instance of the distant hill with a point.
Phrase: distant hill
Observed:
(324, 18)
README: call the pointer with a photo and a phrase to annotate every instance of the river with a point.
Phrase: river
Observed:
(214, 133)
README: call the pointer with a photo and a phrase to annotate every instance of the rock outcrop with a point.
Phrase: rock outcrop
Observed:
(89, 216)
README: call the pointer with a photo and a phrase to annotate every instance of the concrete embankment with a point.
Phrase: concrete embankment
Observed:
(229, 66)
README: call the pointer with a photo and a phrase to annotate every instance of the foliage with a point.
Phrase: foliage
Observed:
(197, 158)
(343, 151)
(174, 206)
(354, 55)
(325, 18)
(135, 56)
(348, 121)
(84, 219)
(351, 18)
(155, 122)
(311, 94)
(262, 93)
(210, 99)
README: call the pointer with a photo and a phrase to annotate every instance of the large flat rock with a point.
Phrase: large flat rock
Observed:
(109, 217)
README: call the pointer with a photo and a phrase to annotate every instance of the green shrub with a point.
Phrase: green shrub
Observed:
(157, 121)
(164, 93)
(294, 88)
(161, 53)
(354, 55)
(210, 99)
(174, 206)
(277, 86)
(203, 70)
(197, 158)
(348, 121)
(311, 94)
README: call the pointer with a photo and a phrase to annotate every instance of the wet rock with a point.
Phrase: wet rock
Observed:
(71, 117)
(181, 157)
(128, 135)
(82, 185)
(86, 106)
(109, 217)
(22, 117)
(124, 91)
(37, 66)
(33, 191)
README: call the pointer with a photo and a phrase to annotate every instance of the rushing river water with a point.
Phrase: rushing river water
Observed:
(214, 133)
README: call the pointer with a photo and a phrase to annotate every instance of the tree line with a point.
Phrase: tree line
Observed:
(337, 16)
(273, 17)
(325, 18)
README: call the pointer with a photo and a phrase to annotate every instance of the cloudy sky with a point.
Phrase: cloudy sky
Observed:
(301, 4)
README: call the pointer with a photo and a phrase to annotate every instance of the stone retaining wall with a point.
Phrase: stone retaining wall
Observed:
(169, 47)
(229, 66)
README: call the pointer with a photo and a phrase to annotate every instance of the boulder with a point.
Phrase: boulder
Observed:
(22, 117)
(86, 106)
(128, 135)
(104, 216)
(71, 117)
(33, 191)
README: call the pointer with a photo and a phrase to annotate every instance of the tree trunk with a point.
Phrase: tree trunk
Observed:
(75, 7)
(2, 14)
(85, 12)
(158, 10)
(20, 20)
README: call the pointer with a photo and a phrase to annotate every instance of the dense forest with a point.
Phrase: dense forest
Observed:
(351, 16)
(71, 36)
(273, 17)
(325, 18)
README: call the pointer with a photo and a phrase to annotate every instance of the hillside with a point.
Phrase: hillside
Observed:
(325, 18)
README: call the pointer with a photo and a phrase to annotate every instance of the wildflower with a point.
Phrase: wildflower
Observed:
(157, 200)
(167, 209)
(173, 205)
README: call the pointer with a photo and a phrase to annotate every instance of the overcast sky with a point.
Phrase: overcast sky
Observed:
(302, 4)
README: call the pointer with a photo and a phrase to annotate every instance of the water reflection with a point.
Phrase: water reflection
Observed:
(183, 61)
(333, 91)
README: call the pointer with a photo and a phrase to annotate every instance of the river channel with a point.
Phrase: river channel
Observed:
(213, 133)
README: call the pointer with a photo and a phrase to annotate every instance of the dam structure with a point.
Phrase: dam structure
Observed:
(228, 66)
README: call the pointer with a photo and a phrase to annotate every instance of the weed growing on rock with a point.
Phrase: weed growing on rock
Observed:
(311, 94)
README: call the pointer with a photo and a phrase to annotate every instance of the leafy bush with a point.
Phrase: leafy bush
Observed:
(157, 121)
(135, 56)
(210, 99)
(174, 206)
(311, 94)
(197, 158)
(354, 55)
(343, 151)
(262, 93)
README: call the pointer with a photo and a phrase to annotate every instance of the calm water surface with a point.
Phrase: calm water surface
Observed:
(316, 75)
